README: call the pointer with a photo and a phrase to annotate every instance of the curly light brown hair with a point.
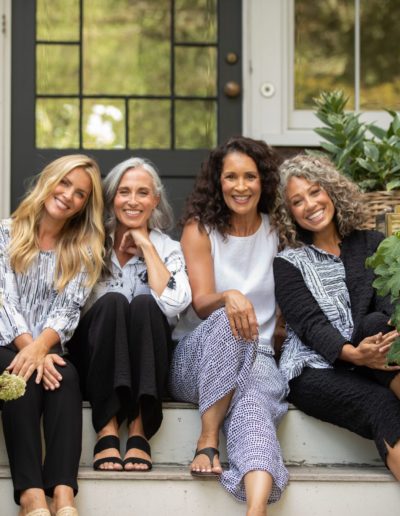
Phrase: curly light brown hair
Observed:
(345, 195)
(206, 203)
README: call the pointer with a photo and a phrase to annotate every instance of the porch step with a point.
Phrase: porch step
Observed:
(171, 491)
(304, 440)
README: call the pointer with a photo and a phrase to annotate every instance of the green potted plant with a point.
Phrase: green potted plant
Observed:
(386, 265)
(366, 153)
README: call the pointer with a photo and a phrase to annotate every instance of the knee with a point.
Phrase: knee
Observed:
(112, 299)
(70, 377)
(144, 301)
(375, 322)
(145, 304)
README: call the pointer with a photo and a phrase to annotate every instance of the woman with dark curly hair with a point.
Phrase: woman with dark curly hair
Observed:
(224, 360)
(339, 333)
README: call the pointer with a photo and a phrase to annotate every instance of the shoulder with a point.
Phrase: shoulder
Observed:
(195, 234)
(366, 239)
(293, 254)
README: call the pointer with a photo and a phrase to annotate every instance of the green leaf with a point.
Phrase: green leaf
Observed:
(393, 357)
(392, 185)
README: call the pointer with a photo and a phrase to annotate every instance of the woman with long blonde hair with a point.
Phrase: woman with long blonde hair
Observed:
(51, 254)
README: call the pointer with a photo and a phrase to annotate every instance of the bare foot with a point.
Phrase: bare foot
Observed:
(63, 496)
(32, 499)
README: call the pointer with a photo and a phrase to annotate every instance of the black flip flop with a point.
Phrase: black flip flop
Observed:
(210, 453)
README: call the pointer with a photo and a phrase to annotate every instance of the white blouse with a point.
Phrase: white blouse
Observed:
(131, 279)
(245, 264)
(29, 303)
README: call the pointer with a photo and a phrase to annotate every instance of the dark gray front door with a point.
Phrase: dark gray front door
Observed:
(117, 78)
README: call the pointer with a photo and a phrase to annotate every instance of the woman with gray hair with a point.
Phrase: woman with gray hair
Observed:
(338, 328)
(122, 344)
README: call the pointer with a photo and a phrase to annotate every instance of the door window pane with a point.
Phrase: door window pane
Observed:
(57, 123)
(57, 69)
(149, 124)
(103, 124)
(196, 21)
(196, 124)
(196, 71)
(323, 49)
(57, 20)
(380, 58)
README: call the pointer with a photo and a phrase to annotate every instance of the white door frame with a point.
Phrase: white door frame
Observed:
(5, 107)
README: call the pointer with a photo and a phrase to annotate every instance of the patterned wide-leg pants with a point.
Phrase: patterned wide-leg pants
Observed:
(208, 364)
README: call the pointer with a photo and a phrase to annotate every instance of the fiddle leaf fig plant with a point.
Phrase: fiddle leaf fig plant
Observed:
(366, 153)
(386, 265)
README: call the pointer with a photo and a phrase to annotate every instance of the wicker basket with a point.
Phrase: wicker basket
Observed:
(379, 203)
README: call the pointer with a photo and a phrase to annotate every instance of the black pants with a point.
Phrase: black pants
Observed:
(62, 425)
(356, 398)
(121, 351)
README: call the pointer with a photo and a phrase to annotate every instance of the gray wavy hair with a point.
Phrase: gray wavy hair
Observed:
(350, 213)
(162, 217)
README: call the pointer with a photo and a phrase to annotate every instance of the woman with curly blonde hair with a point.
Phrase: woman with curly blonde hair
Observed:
(338, 328)
(51, 253)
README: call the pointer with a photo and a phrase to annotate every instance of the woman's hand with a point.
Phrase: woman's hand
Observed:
(29, 359)
(134, 240)
(241, 315)
(51, 377)
(372, 351)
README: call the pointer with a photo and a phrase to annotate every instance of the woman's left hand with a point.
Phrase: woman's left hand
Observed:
(133, 241)
(51, 377)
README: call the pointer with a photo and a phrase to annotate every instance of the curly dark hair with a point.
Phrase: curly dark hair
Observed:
(350, 214)
(206, 203)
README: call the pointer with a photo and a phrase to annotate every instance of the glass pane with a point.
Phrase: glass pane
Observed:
(324, 50)
(380, 62)
(126, 47)
(57, 20)
(57, 69)
(57, 123)
(196, 21)
(195, 122)
(196, 71)
(103, 124)
(149, 124)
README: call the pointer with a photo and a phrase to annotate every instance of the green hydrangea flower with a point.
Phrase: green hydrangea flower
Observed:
(11, 386)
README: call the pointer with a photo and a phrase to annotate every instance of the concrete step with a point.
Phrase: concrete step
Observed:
(304, 440)
(171, 491)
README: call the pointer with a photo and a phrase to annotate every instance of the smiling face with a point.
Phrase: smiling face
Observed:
(310, 205)
(240, 183)
(135, 199)
(69, 196)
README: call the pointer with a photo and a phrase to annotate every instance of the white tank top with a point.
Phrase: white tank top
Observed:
(244, 264)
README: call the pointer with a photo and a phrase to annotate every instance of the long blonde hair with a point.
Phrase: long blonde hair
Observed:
(80, 245)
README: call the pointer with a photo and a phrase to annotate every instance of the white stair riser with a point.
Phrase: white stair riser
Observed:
(197, 498)
(304, 440)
